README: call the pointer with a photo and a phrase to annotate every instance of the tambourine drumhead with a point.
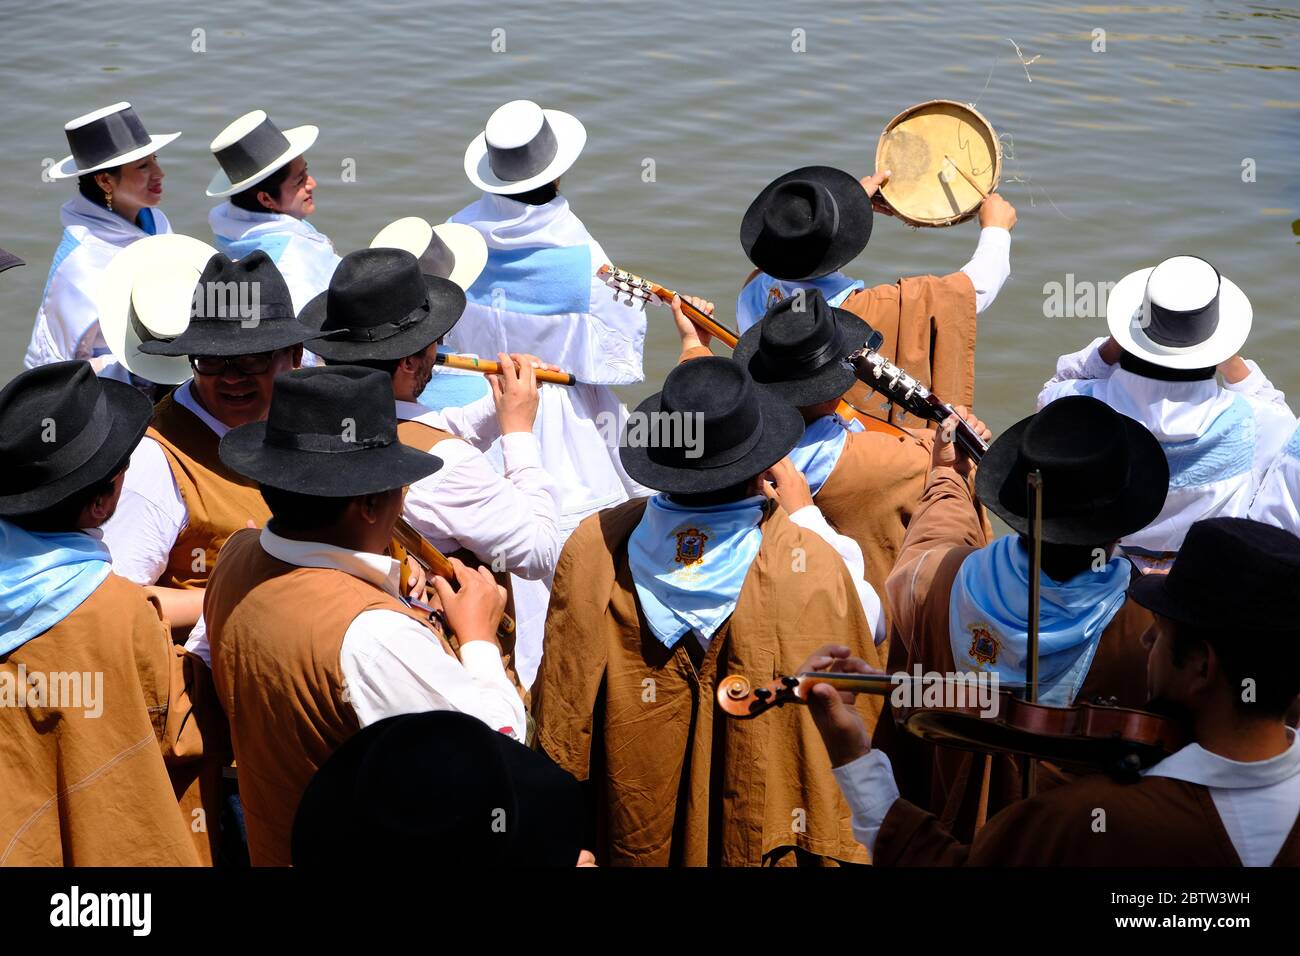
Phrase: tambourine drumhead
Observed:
(924, 190)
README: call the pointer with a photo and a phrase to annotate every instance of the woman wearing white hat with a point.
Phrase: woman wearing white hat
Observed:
(120, 187)
(1172, 327)
(270, 195)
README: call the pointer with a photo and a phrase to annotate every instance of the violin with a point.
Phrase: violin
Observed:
(1086, 736)
(409, 543)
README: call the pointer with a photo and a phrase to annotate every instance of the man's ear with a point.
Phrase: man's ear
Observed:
(268, 201)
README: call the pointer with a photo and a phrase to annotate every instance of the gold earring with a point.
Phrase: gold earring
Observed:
(108, 198)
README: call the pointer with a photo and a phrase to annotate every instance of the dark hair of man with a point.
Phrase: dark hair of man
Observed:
(293, 511)
(1131, 363)
(539, 196)
(707, 499)
(90, 189)
(1061, 562)
(247, 199)
(63, 515)
(1270, 660)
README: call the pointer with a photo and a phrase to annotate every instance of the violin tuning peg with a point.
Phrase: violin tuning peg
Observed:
(790, 681)
(762, 693)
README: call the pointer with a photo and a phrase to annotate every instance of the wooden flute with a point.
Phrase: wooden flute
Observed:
(469, 364)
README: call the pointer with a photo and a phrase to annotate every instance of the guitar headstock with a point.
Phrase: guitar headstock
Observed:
(638, 291)
(739, 698)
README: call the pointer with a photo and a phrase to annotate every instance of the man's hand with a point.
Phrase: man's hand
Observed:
(1110, 350)
(514, 390)
(996, 211)
(416, 580)
(1234, 369)
(947, 453)
(690, 333)
(841, 726)
(786, 483)
(475, 611)
(872, 185)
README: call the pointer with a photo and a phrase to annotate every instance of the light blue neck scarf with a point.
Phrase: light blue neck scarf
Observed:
(820, 448)
(988, 618)
(688, 564)
(764, 291)
(43, 579)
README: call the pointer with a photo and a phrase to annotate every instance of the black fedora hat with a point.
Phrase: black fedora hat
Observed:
(1104, 474)
(1230, 572)
(807, 223)
(240, 307)
(740, 429)
(62, 429)
(381, 306)
(8, 260)
(332, 432)
(798, 348)
(439, 786)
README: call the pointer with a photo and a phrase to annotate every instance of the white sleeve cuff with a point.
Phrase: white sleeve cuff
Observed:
(870, 790)
(1255, 382)
(520, 450)
(482, 659)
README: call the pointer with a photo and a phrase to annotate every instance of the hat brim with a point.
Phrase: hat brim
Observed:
(830, 381)
(1000, 486)
(218, 337)
(130, 413)
(8, 260)
(301, 139)
(1123, 306)
(418, 337)
(850, 237)
(1151, 591)
(570, 138)
(468, 248)
(66, 168)
(782, 428)
(365, 471)
(113, 300)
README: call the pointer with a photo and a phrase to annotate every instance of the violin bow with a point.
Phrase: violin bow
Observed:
(1034, 491)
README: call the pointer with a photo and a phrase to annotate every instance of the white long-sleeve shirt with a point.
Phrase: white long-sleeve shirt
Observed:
(393, 664)
(1258, 801)
(811, 519)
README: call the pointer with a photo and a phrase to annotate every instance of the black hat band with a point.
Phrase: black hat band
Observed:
(107, 137)
(786, 366)
(526, 161)
(1181, 329)
(250, 154)
(329, 444)
(382, 331)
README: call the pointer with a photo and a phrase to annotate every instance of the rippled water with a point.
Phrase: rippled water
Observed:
(1115, 159)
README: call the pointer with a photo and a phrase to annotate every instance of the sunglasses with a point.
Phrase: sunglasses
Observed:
(245, 364)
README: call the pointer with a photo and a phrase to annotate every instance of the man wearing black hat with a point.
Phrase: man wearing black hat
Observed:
(91, 686)
(311, 638)
(866, 483)
(180, 503)
(809, 223)
(1174, 327)
(961, 602)
(1229, 669)
(498, 802)
(658, 599)
(381, 312)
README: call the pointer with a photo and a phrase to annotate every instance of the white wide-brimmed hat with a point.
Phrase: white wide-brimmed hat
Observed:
(1180, 314)
(451, 250)
(145, 294)
(106, 138)
(523, 147)
(252, 148)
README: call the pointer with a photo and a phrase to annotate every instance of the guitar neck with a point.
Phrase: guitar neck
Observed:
(702, 321)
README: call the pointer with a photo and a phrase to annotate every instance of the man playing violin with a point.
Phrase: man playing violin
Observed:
(960, 599)
(1229, 670)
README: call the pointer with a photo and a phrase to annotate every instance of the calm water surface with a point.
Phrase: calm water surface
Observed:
(1115, 159)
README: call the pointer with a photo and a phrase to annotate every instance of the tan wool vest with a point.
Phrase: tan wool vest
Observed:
(81, 788)
(276, 630)
(218, 501)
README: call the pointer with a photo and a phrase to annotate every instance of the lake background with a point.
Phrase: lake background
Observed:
(1114, 159)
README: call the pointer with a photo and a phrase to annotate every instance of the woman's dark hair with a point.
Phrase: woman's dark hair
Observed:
(539, 196)
(247, 199)
(293, 511)
(63, 515)
(1271, 662)
(90, 189)
(1138, 366)
(387, 366)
